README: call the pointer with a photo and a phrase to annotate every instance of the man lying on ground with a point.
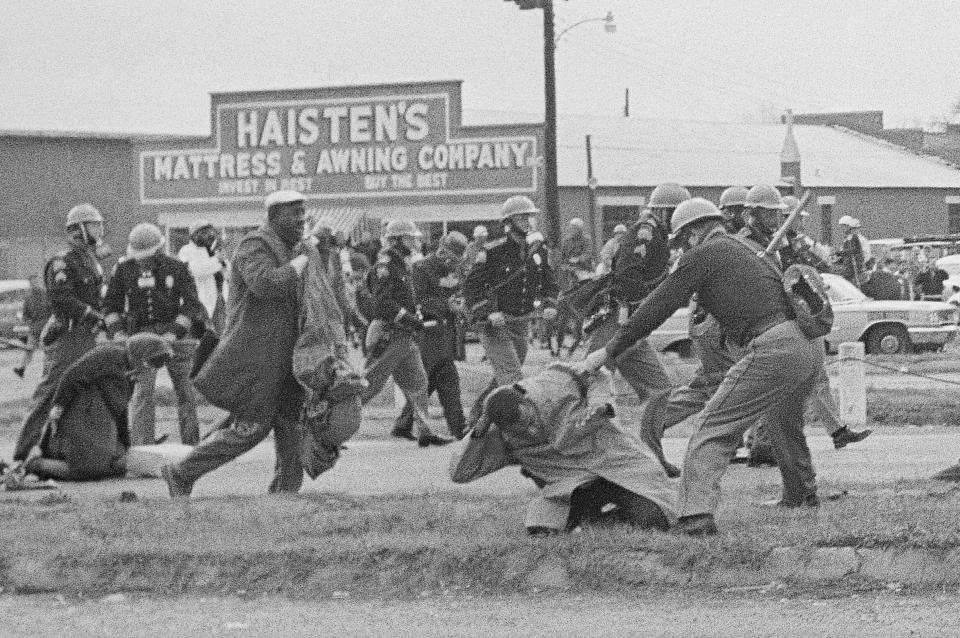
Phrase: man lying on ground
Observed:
(559, 427)
(86, 436)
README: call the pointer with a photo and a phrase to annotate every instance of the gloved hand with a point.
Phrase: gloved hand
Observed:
(549, 314)
(594, 361)
(497, 319)
(299, 263)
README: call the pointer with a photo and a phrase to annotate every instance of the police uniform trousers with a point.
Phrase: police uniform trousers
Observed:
(639, 364)
(143, 406)
(58, 356)
(773, 379)
(506, 349)
(400, 358)
(241, 436)
(442, 378)
(821, 408)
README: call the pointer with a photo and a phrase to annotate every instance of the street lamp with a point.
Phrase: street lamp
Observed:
(551, 205)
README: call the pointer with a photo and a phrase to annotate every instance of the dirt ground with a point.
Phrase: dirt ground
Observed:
(557, 616)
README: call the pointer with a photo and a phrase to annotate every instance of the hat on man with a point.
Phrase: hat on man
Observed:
(846, 220)
(281, 197)
(619, 228)
(145, 240)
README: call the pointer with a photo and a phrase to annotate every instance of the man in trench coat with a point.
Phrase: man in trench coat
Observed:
(250, 374)
(565, 438)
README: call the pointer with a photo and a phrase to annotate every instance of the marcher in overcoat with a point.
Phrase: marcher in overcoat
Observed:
(250, 373)
(566, 439)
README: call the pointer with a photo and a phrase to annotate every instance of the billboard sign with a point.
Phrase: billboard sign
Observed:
(384, 144)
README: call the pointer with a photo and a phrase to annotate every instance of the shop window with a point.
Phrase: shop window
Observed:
(613, 215)
(953, 218)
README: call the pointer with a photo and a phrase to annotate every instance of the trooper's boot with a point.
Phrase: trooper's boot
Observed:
(761, 455)
(427, 438)
(845, 436)
(403, 433)
(697, 525)
(177, 487)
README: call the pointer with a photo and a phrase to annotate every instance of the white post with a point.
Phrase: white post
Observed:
(853, 387)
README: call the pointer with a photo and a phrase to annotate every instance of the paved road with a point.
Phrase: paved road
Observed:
(648, 614)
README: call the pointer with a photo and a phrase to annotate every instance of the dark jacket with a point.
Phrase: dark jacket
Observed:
(73, 280)
(36, 310)
(250, 373)
(160, 297)
(742, 293)
(438, 343)
(506, 277)
(641, 261)
(390, 285)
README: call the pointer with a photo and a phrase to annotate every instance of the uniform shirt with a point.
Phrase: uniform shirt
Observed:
(642, 259)
(74, 281)
(510, 277)
(159, 297)
(737, 289)
(390, 285)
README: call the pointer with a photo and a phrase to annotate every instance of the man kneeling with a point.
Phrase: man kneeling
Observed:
(560, 429)
(86, 437)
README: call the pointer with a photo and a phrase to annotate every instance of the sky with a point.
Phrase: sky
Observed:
(149, 66)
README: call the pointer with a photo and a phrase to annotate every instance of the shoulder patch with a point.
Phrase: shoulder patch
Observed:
(493, 244)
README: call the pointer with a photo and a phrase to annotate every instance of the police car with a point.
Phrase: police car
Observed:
(885, 327)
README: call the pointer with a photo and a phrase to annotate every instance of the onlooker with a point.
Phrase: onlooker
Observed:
(929, 281)
(36, 311)
(208, 266)
(610, 249)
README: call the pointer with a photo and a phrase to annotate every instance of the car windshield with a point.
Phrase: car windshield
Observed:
(842, 291)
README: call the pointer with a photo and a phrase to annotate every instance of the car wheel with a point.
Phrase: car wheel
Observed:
(888, 340)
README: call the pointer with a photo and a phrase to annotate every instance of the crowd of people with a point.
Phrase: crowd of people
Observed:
(263, 334)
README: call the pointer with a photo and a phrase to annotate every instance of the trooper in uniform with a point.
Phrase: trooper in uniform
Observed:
(507, 282)
(641, 262)
(150, 291)
(732, 207)
(773, 375)
(391, 346)
(765, 208)
(436, 285)
(74, 282)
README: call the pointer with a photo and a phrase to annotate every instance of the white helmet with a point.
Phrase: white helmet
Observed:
(402, 228)
(83, 213)
(847, 220)
(576, 222)
(619, 228)
(145, 240)
(480, 231)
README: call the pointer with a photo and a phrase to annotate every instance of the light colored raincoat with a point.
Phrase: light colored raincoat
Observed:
(574, 444)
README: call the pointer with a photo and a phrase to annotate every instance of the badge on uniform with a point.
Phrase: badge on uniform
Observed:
(537, 259)
(146, 280)
(169, 282)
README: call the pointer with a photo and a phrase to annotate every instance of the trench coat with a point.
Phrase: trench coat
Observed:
(573, 445)
(250, 373)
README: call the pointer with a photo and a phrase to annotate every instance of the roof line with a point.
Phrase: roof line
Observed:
(879, 141)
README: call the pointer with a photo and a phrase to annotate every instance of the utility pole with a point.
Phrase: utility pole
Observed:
(626, 102)
(595, 237)
(550, 204)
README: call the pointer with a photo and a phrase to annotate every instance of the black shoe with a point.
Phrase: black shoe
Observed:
(845, 436)
(697, 525)
(951, 474)
(160, 439)
(761, 456)
(810, 500)
(403, 433)
(176, 487)
(428, 439)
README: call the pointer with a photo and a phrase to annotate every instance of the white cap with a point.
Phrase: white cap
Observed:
(576, 222)
(619, 228)
(846, 220)
(281, 197)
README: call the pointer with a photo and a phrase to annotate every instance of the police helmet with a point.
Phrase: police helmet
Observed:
(401, 228)
(145, 240)
(455, 243)
(83, 213)
(668, 195)
(764, 196)
(693, 210)
(733, 196)
(518, 205)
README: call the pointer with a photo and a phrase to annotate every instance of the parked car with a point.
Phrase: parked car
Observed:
(885, 327)
(12, 294)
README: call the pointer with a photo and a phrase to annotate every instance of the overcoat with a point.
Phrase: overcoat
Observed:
(573, 444)
(250, 372)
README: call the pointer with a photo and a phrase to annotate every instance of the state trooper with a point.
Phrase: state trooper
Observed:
(773, 375)
(150, 291)
(436, 285)
(732, 207)
(764, 210)
(508, 281)
(74, 283)
(391, 346)
(639, 265)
